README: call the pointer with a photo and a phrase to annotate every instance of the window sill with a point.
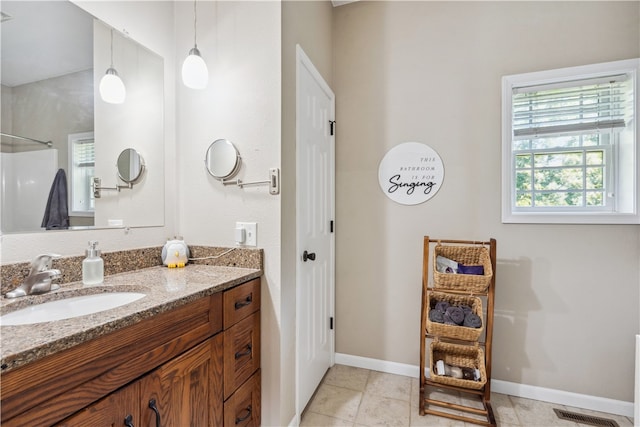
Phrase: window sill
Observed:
(569, 218)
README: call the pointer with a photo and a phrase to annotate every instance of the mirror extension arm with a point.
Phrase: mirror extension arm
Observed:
(97, 187)
(273, 182)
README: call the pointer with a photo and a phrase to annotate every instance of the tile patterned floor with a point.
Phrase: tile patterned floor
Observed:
(354, 397)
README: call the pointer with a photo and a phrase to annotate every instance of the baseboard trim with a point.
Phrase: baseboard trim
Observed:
(378, 365)
(576, 400)
(561, 397)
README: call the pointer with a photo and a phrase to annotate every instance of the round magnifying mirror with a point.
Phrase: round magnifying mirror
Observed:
(222, 159)
(130, 165)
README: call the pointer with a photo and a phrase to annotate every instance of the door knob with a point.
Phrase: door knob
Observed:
(308, 256)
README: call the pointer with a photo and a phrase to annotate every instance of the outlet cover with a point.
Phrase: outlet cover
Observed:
(250, 232)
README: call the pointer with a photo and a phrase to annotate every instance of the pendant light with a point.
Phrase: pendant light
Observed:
(194, 70)
(112, 88)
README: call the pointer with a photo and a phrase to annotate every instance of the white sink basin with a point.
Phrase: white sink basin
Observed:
(68, 308)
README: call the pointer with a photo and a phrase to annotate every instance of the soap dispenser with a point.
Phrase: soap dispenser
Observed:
(92, 265)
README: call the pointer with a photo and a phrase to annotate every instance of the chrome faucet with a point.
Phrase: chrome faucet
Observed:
(39, 279)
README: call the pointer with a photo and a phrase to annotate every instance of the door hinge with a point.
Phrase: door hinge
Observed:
(331, 323)
(332, 124)
(331, 226)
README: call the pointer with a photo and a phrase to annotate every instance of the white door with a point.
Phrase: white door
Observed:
(315, 148)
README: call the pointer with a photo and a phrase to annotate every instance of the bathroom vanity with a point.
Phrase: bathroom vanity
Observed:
(186, 354)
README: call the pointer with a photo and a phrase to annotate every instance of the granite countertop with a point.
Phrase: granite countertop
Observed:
(165, 289)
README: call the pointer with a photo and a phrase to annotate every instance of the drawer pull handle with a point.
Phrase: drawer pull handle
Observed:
(247, 301)
(244, 353)
(154, 408)
(128, 422)
(241, 419)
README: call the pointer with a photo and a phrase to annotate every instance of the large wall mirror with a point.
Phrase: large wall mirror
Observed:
(54, 55)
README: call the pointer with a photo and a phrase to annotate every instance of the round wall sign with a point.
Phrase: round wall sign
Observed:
(411, 173)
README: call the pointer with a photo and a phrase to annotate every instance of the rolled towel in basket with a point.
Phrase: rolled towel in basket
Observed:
(466, 309)
(471, 269)
(436, 316)
(472, 320)
(442, 306)
(454, 316)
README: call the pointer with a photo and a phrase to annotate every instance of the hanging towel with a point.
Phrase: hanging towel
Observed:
(56, 214)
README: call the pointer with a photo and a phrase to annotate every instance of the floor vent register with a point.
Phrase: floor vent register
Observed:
(584, 419)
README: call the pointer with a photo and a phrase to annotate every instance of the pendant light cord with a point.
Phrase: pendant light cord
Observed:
(195, 21)
(112, 48)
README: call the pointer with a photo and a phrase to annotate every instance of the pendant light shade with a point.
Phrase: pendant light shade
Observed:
(112, 88)
(194, 70)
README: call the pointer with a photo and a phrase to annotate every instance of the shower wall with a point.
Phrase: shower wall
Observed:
(26, 179)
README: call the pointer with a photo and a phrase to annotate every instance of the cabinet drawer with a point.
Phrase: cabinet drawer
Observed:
(240, 302)
(241, 352)
(243, 407)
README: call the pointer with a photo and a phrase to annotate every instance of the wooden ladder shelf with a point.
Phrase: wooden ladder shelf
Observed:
(481, 413)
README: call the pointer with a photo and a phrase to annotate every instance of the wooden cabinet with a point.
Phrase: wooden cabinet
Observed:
(191, 381)
(243, 407)
(241, 308)
(241, 353)
(168, 370)
(117, 409)
(186, 391)
(240, 302)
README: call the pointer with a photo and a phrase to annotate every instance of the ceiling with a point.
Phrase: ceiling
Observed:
(35, 48)
(337, 3)
(44, 39)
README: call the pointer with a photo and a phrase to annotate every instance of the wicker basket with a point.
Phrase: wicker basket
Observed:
(466, 255)
(453, 331)
(458, 355)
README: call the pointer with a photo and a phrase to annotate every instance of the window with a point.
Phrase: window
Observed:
(570, 145)
(81, 170)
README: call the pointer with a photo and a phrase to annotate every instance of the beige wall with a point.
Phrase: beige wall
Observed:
(309, 24)
(567, 298)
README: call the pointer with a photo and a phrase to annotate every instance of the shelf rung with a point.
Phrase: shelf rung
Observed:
(453, 340)
(458, 292)
(486, 411)
(460, 418)
(453, 387)
(450, 405)
(468, 242)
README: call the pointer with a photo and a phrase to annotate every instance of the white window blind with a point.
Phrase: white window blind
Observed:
(572, 107)
(82, 158)
(84, 153)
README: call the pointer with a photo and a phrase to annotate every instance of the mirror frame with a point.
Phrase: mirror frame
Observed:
(233, 164)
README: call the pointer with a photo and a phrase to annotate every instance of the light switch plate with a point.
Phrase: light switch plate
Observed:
(250, 232)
